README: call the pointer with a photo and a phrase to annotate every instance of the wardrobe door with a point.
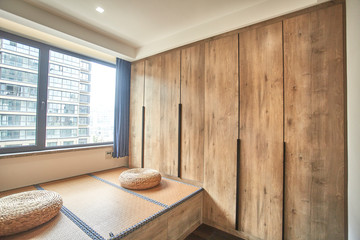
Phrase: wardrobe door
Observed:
(314, 125)
(221, 131)
(261, 132)
(193, 107)
(152, 113)
(169, 112)
(136, 104)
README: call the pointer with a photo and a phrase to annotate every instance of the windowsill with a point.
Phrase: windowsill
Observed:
(50, 151)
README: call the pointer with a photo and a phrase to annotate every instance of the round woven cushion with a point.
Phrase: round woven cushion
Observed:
(22, 211)
(140, 178)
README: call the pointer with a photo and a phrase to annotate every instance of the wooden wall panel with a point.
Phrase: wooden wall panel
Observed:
(152, 148)
(221, 130)
(169, 112)
(193, 107)
(261, 132)
(136, 103)
(314, 125)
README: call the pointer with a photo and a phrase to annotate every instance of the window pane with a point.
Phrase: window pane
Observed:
(18, 93)
(81, 96)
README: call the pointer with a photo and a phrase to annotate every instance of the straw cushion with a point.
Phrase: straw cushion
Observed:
(140, 178)
(22, 211)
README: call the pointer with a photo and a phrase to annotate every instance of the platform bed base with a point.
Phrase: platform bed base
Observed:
(97, 207)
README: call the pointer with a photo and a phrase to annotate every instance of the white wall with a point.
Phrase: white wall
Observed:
(353, 114)
(38, 168)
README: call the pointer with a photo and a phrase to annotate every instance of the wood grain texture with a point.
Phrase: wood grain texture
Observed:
(193, 107)
(169, 112)
(135, 123)
(162, 97)
(154, 230)
(185, 218)
(221, 130)
(261, 132)
(314, 125)
(152, 155)
(175, 224)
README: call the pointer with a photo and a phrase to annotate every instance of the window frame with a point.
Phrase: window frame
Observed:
(42, 91)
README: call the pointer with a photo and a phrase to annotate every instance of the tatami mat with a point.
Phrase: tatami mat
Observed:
(60, 227)
(95, 206)
(102, 206)
(167, 192)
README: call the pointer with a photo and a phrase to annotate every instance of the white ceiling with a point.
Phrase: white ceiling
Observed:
(141, 22)
(135, 29)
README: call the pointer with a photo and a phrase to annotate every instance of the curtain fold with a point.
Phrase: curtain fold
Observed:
(122, 108)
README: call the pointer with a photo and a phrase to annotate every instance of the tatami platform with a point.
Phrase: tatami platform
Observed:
(97, 207)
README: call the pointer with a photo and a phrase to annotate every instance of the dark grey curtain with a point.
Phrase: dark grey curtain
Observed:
(122, 108)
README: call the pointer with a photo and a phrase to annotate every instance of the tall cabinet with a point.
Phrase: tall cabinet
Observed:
(278, 87)
(193, 112)
(314, 125)
(221, 130)
(162, 97)
(152, 148)
(261, 132)
(136, 120)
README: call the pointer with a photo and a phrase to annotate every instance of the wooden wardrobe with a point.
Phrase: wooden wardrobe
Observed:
(262, 124)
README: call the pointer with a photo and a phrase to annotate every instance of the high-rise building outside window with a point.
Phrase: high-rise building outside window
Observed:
(76, 108)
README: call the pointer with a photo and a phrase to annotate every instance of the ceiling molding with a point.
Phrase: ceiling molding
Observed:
(45, 19)
(257, 13)
(30, 16)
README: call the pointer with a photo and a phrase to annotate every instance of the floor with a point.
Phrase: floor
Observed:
(205, 232)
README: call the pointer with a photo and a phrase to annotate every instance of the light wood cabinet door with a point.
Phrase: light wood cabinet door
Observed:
(261, 132)
(193, 115)
(221, 130)
(152, 113)
(162, 98)
(314, 125)
(169, 112)
(136, 104)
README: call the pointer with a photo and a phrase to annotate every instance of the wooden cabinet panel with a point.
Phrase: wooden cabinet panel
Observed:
(162, 97)
(221, 130)
(314, 125)
(193, 118)
(261, 132)
(152, 113)
(169, 112)
(136, 103)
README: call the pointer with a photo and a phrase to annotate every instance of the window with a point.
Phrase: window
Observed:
(84, 98)
(11, 105)
(84, 109)
(17, 91)
(83, 132)
(51, 144)
(84, 87)
(12, 135)
(84, 121)
(61, 121)
(63, 83)
(63, 96)
(56, 69)
(14, 75)
(66, 143)
(52, 98)
(19, 61)
(19, 73)
(82, 141)
(62, 108)
(17, 120)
